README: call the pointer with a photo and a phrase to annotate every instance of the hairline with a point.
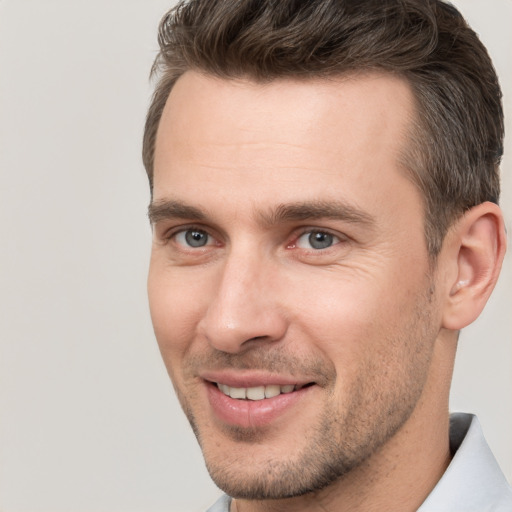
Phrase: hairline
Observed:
(411, 158)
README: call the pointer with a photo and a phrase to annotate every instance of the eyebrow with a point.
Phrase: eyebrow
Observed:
(289, 212)
(163, 210)
(315, 210)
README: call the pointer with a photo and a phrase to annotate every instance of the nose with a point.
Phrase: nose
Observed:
(245, 308)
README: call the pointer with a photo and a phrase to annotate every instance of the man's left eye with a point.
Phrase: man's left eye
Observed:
(317, 240)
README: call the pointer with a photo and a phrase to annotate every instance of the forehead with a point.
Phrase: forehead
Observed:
(279, 140)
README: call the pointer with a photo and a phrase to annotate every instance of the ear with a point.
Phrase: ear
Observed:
(476, 248)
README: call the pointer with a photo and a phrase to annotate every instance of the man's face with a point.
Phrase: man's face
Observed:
(289, 283)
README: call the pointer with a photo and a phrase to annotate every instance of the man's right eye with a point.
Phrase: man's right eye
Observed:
(194, 238)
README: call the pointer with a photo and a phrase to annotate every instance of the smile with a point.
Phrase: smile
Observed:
(257, 392)
(249, 402)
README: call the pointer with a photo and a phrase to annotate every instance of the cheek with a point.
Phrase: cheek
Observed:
(175, 309)
(340, 324)
(340, 307)
(355, 320)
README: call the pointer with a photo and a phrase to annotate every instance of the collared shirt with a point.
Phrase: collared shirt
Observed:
(473, 481)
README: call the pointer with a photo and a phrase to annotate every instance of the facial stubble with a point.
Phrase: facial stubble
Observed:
(345, 435)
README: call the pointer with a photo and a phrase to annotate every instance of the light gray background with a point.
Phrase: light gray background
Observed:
(88, 419)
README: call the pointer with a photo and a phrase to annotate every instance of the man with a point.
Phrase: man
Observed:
(324, 180)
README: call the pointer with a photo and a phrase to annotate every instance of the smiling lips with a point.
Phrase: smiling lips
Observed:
(257, 392)
(254, 406)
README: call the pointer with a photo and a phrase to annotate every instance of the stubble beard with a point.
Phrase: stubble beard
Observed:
(344, 435)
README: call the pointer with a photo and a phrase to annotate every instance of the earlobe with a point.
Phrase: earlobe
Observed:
(478, 244)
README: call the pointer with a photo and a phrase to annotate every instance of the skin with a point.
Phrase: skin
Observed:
(367, 322)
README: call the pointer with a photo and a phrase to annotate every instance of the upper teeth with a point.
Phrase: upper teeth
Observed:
(256, 393)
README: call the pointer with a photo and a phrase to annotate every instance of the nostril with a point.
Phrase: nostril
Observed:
(259, 338)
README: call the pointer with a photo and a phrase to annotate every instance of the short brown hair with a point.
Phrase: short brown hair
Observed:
(455, 148)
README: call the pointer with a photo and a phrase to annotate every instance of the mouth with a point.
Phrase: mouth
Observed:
(254, 399)
(254, 406)
(259, 392)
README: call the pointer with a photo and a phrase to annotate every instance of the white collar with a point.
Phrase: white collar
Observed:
(473, 481)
